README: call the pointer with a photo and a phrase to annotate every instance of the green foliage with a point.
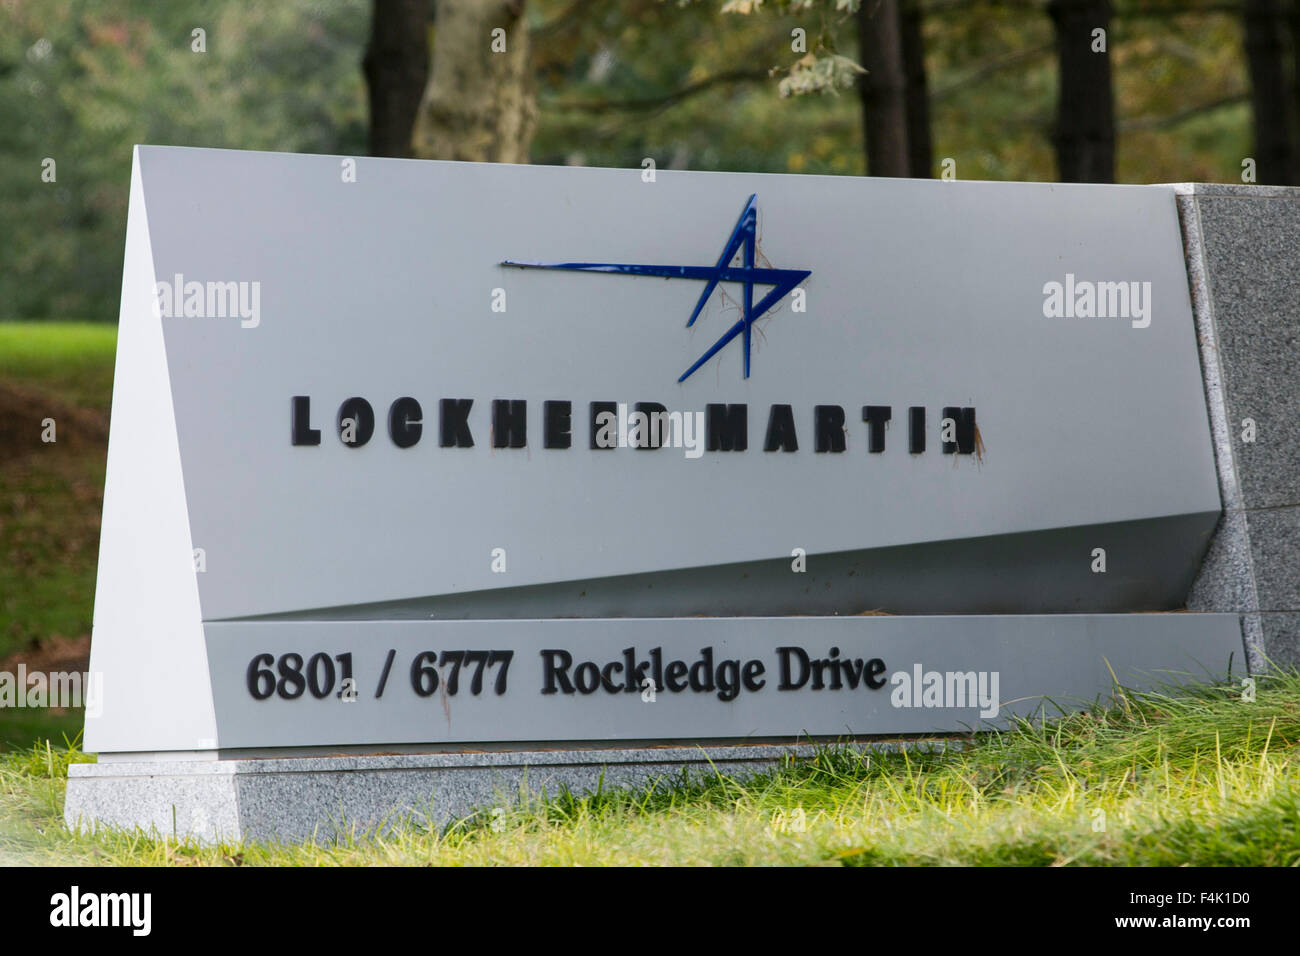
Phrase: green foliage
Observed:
(694, 89)
(82, 82)
(820, 69)
(684, 83)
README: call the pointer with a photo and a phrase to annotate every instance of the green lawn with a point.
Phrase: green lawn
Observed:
(50, 495)
(50, 506)
(1196, 776)
(73, 360)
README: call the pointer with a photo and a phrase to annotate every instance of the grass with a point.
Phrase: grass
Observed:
(50, 506)
(73, 360)
(18, 728)
(1192, 776)
(51, 494)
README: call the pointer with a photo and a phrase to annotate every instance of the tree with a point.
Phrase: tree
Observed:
(919, 149)
(480, 103)
(1084, 136)
(1270, 102)
(883, 88)
(1293, 31)
(396, 67)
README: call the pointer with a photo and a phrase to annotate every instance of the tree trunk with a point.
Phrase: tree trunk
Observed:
(396, 66)
(1293, 115)
(479, 104)
(1085, 123)
(920, 157)
(884, 88)
(1270, 100)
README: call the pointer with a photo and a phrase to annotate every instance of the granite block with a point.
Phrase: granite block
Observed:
(1237, 190)
(1280, 637)
(1251, 249)
(1275, 557)
(1226, 581)
(1208, 347)
(330, 798)
(1252, 639)
(1242, 246)
(196, 799)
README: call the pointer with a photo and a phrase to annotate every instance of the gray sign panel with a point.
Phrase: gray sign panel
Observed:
(923, 294)
(371, 398)
(458, 682)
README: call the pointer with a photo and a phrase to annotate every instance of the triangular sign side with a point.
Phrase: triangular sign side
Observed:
(147, 636)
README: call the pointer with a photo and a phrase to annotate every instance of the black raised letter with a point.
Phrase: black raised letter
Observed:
(556, 419)
(303, 433)
(916, 429)
(359, 410)
(727, 427)
(791, 655)
(596, 409)
(556, 666)
(780, 430)
(509, 423)
(829, 430)
(652, 437)
(453, 424)
(405, 425)
(965, 419)
(875, 416)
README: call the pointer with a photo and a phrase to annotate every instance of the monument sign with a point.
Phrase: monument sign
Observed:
(423, 474)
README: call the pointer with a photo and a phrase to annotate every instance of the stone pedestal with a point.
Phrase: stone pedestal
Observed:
(324, 798)
(1243, 255)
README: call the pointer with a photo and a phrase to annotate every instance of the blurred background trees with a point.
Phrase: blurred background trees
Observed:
(1169, 90)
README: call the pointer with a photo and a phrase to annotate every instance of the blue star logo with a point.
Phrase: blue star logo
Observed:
(742, 240)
